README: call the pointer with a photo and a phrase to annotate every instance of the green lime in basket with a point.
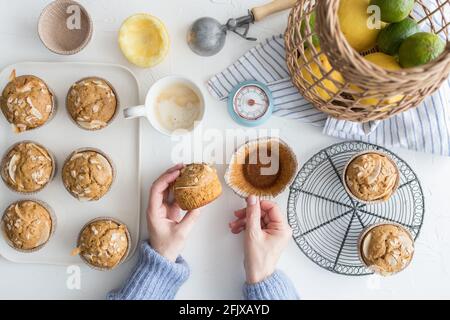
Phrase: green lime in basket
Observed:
(394, 10)
(312, 26)
(419, 49)
(391, 37)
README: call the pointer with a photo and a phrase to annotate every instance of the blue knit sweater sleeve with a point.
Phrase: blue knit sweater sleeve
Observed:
(276, 287)
(156, 278)
(153, 278)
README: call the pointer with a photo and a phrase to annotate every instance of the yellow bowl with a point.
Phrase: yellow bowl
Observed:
(144, 40)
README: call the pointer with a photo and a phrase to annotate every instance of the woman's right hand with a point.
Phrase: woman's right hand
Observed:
(266, 236)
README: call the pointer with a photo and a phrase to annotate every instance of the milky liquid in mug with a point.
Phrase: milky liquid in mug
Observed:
(177, 107)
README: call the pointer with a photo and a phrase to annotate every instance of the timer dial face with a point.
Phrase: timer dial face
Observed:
(251, 102)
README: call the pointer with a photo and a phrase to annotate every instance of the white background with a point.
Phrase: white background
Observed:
(213, 253)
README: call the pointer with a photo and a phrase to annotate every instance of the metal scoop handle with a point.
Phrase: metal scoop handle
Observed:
(241, 25)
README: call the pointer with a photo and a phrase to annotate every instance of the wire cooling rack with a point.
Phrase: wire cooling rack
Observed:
(326, 222)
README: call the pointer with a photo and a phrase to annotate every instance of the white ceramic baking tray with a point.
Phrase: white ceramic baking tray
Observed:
(120, 140)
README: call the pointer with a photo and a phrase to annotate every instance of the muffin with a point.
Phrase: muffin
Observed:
(88, 174)
(27, 225)
(103, 243)
(27, 167)
(92, 103)
(371, 176)
(263, 167)
(386, 248)
(197, 185)
(26, 102)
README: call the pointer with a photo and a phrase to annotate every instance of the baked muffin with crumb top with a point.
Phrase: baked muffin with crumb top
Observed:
(27, 167)
(197, 186)
(27, 103)
(386, 248)
(88, 174)
(103, 243)
(27, 225)
(92, 103)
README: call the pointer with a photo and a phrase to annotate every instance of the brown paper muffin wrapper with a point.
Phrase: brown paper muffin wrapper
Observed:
(116, 112)
(125, 256)
(52, 112)
(52, 218)
(53, 15)
(113, 167)
(363, 234)
(26, 193)
(235, 179)
(344, 180)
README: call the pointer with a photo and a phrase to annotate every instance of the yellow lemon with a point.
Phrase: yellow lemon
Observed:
(144, 40)
(316, 72)
(387, 62)
(355, 23)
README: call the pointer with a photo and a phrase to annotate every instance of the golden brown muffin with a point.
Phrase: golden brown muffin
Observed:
(372, 177)
(197, 185)
(28, 167)
(386, 248)
(103, 243)
(92, 103)
(27, 225)
(88, 175)
(263, 168)
(26, 102)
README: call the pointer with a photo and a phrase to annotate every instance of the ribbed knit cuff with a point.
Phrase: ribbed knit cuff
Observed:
(275, 287)
(154, 277)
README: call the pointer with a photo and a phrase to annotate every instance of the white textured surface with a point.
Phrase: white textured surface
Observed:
(215, 255)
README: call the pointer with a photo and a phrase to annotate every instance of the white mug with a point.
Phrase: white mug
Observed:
(148, 110)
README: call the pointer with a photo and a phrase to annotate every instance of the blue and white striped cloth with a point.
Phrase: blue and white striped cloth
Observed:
(425, 128)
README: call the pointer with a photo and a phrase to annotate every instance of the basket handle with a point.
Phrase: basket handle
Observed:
(275, 6)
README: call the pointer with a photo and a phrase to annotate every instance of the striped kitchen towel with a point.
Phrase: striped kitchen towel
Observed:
(425, 128)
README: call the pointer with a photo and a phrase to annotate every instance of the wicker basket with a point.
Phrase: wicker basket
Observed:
(363, 91)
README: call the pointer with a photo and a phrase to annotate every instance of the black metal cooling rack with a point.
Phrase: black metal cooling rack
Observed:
(326, 222)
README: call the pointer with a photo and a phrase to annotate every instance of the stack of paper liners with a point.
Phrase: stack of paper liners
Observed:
(263, 167)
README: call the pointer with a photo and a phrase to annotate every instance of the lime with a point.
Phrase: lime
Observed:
(419, 49)
(394, 10)
(391, 37)
(312, 26)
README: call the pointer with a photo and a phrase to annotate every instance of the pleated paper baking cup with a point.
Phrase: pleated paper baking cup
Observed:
(362, 236)
(53, 220)
(124, 257)
(4, 171)
(344, 179)
(115, 112)
(54, 32)
(52, 112)
(98, 151)
(247, 178)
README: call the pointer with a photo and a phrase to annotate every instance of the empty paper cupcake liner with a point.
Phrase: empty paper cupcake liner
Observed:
(125, 256)
(246, 189)
(366, 230)
(115, 112)
(54, 32)
(80, 150)
(347, 189)
(4, 162)
(52, 218)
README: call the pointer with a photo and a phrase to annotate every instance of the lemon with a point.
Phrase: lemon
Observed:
(144, 40)
(316, 72)
(353, 20)
(387, 62)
